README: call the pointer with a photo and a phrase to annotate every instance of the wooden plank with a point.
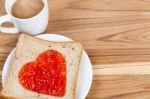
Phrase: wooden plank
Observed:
(120, 87)
(113, 5)
(123, 69)
(2, 7)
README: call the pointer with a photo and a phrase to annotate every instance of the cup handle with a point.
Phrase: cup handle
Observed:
(4, 19)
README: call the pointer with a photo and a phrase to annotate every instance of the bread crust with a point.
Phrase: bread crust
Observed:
(77, 73)
(8, 97)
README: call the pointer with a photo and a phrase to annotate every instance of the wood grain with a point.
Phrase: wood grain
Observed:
(120, 87)
(116, 36)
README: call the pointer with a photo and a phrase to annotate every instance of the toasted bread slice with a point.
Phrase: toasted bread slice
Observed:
(28, 48)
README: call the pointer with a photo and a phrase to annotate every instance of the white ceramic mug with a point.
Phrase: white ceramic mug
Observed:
(34, 25)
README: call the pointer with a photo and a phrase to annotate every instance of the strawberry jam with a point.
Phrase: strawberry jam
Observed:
(46, 75)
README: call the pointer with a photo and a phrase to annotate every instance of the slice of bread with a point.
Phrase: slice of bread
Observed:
(28, 48)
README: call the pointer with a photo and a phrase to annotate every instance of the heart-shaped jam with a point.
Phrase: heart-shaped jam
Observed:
(46, 75)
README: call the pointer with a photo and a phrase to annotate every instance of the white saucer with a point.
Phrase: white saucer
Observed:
(85, 73)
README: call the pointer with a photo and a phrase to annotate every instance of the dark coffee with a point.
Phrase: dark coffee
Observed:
(26, 8)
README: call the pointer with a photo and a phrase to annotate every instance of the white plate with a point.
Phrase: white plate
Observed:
(85, 72)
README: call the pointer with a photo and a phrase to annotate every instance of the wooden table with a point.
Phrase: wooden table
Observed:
(116, 36)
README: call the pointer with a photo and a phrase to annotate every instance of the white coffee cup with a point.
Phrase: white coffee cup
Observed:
(34, 25)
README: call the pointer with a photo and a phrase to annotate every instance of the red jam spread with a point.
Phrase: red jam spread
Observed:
(46, 75)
